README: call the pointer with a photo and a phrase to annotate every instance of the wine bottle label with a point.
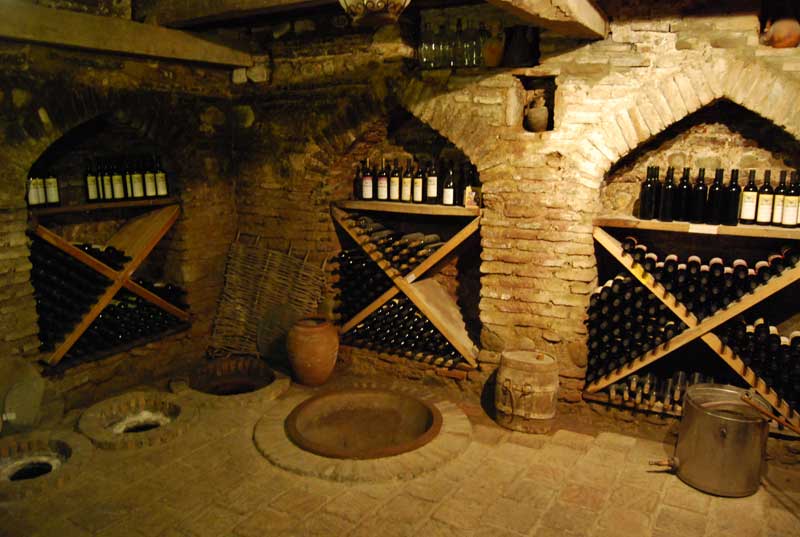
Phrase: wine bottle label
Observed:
(433, 186)
(777, 209)
(119, 186)
(383, 188)
(789, 211)
(764, 215)
(149, 184)
(418, 189)
(749, 200)
(91, 187)
(405, 190)
(137, 184)
(108, 192)
(41, 196)
(447, 196)
(161, 184)
(33, 194)
(51, 190)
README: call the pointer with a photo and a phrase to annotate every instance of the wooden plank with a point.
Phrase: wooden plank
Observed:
(23, 21)
(444, 250)
(91, 207)
(138, 236)
(77, 253)
(156, 300)
(183, 13)
(765, 232)
(374, 305)
(409, 208)
(443, 312)
(573, 18)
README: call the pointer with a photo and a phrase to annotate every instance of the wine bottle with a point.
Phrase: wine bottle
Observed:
(733, 196)
(394, 182)
(108, 189)
(749, 200)
(406, 183)
(357, 183)
(90, 183)
(699, 198)
(150, 190)
(432, 185)
(137, 179)
(449, 187)
(382, 182)
(647, 196)
(777, 207)
(716, 199)
(117, 182)
(162, 182)
(52, 191)
(667, 201)
(418, 193)
(683, 198)
(790, 203)
(766, 199)
(367, 184)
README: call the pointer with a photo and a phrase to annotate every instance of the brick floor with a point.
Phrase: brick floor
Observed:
(213, 483)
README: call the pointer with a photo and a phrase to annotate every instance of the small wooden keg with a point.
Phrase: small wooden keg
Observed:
(526, 390)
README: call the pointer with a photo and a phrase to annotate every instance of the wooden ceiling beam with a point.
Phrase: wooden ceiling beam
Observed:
(574, 18)
(184, 13)
(22, 21)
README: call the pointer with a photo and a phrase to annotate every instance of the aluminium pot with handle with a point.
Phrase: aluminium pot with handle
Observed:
(722, 441)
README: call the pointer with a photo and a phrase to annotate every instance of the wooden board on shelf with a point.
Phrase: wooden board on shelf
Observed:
(374, 305)
(155, 299)
(68, 248)
(765, 232)
(138, 236)
(103, 206)
(409, 208)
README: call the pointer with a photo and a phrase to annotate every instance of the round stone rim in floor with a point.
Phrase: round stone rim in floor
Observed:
(156, 418)
(453, 439)
(236, 368)
(66, 451)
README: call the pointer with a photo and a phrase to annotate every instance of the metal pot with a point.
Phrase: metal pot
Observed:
(721, 441)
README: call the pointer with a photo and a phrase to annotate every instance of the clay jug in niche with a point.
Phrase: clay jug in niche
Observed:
(494, 45)
(312, 344)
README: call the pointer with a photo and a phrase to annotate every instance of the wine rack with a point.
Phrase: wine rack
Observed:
(137, 238)
(426, 294)
(697, 329)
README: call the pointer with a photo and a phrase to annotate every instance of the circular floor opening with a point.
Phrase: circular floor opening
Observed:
(232, 376)
(31, 470)
(144, 421)
(42, 458)
(362, 424)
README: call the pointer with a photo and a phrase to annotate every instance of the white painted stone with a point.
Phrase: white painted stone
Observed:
(626, 126)
(686, 89)
(670, 91)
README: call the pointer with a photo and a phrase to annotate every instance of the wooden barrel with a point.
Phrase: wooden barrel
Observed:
(526, 390)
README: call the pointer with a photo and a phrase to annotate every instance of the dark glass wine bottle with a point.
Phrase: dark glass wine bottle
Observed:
(382, 183)
(683, 198)
(449, 186)
(749, 200)
(418, 192)
(432, 185)
(667, 198)
(367, 182)
(90, 183)
(647, 196)
(766, 200)
(394, 182)
(716, 199)
(733, 195)
(406, 183)
(791, 201)
(777, 206)
(699, 198)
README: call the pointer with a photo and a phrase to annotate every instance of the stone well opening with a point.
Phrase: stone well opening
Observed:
(232, 376)
(362, 424)
(38, 461)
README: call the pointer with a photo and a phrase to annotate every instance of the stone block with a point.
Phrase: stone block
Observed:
(675, 521)
(661, 107)
(577, 441)
(239, 76)
(669, 89)
(687, 92)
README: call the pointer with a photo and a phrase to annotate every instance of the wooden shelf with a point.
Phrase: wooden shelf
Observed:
(605, 399)
(696, 330)
(409, 208)
(427, 295)
(102, 206)
(764, 232)
(136, 238)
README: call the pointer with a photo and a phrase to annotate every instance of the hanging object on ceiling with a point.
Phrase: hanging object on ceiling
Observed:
(374, 12)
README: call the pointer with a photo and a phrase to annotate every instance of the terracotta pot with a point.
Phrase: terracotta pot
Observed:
(313, 344)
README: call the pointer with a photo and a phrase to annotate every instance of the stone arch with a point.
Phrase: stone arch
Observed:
(649, 110)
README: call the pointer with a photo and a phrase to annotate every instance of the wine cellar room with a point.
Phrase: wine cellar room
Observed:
(414, 267)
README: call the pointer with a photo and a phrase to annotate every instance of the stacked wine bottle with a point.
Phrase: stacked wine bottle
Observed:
(399, 328)
(359, 282)
(706, 288)
(719, 203)
(64, 290)
(772, 357)
(648, 391)
(389, 248)
(625, 320)
(126, 319)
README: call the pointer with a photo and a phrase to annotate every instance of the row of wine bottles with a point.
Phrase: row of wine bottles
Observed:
(625, 320)
(399, 328)
(431, 184)
(448, 48)
(359, 281)
(108, 255)
(654, 393)
(706, 288)
(774, 358)
(43, 191)
(125, 178)
(719, 203)
(126, 319)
